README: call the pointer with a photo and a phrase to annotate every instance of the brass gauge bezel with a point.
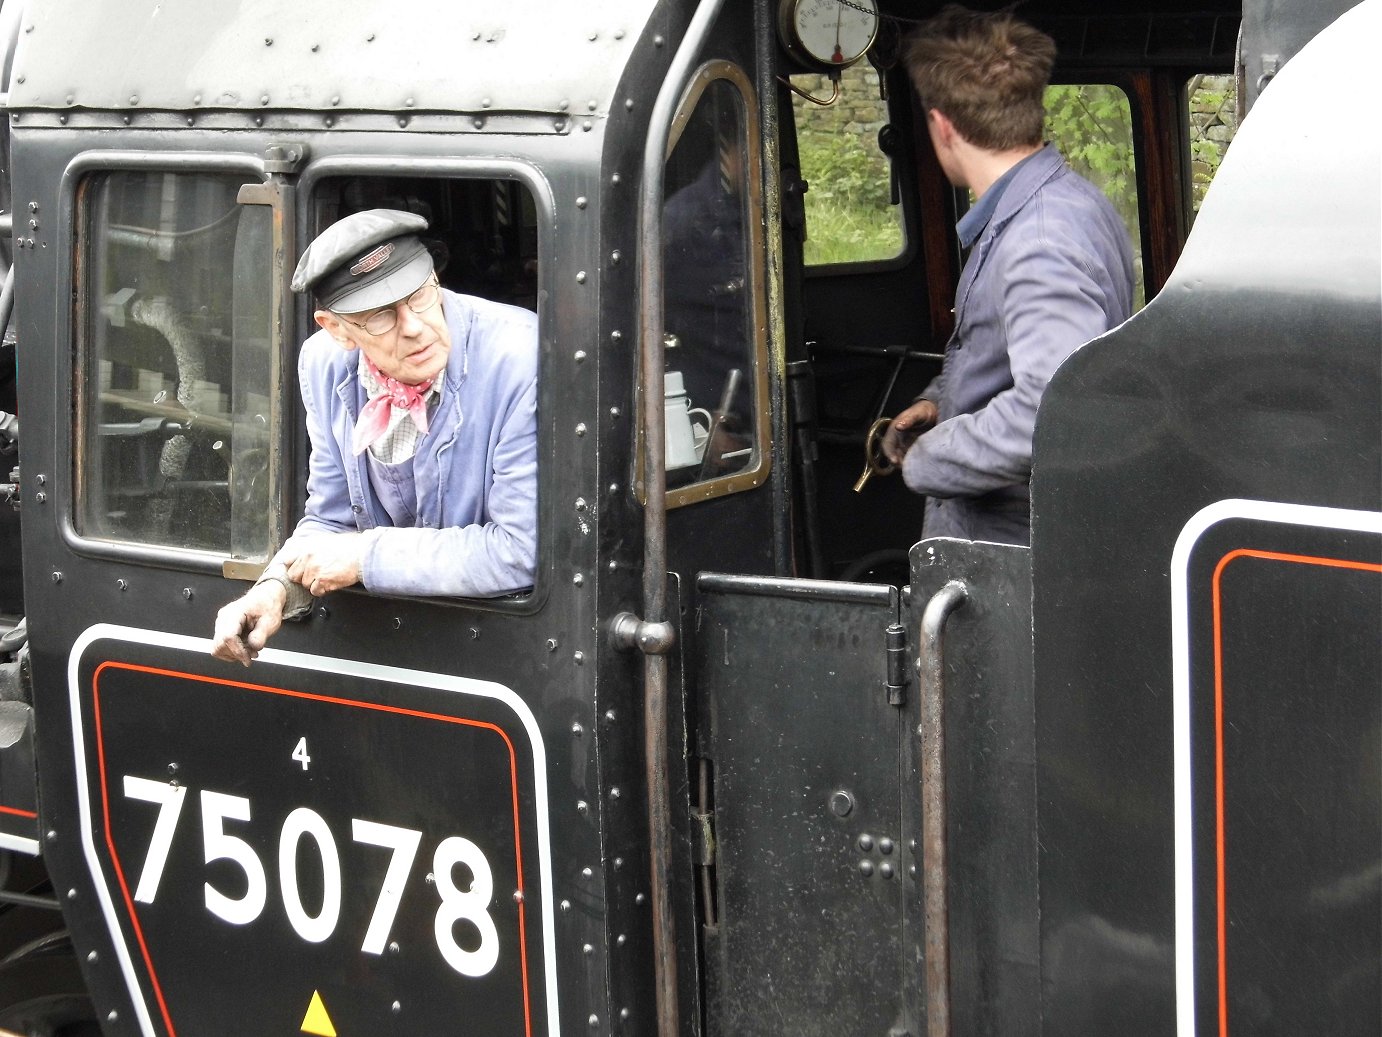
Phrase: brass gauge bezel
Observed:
(809, 52)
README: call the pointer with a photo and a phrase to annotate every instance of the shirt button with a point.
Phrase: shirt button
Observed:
(356, 508)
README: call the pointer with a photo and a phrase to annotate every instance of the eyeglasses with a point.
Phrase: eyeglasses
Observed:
(381, 322)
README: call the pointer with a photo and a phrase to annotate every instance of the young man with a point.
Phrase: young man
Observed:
(422, 414)
(1049, 268)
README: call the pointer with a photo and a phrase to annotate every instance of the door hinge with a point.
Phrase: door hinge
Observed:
(895, 647)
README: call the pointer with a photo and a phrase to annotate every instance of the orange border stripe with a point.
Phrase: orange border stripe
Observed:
(330, 700)
(19, 813)
(1219, 840)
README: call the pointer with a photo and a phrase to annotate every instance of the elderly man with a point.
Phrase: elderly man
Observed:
(421, 411)
(1049, 268)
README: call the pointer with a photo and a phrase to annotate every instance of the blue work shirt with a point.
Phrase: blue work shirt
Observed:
(1051, 269)
(475, 471)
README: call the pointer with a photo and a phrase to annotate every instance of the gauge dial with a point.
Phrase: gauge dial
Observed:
(828, 34)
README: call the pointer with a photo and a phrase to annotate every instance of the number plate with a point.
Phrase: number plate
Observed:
(311, 844)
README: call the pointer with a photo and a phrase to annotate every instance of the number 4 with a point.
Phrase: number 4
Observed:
(300, 752)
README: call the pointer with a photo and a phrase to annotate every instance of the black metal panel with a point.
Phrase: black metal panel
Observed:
(808, 846)
(991, 786)
(1254, 376)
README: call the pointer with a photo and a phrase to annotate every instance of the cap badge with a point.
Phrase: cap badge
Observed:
(373, 260)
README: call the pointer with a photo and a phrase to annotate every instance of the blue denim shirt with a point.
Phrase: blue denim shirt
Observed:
(1052, 269)
(475, 471)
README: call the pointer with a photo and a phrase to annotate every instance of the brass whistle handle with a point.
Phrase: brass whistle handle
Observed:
(873, 448)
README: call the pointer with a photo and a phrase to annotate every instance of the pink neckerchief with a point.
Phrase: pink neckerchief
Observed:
(374, 416)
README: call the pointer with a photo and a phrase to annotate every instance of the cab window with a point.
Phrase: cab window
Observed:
(852, 213)
(173, 420)
(715, 379)
(1091, 125)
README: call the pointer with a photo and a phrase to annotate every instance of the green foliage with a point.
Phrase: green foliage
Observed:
(849, 215)
(1091, 125)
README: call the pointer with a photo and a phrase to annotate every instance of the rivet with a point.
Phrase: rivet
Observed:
(580, 355)
(841, 804)
(40, 497)
(476, 36)
(658, 41)
(328, 122)
(474, 633)
(397, 622)
(624, 1015)
(191, 121)
(580, 277)
(565, 905)
(614, 792)
(588, 949)
(57, 576)
(885, 845)
(72, 894)
(587, 126)
(134, 98)
(640, 899)
(594, 1021)
(578, 580)
(592, 37)
(564, 105)
(316, 47)
(187, 594)
(615, 257)
(581, 505)
(173, 768)
(866, 868)
(33, 224)
(577, 730)
(578, 658)
(866, 842)
(62, 119)
(112, 1016)
(93, 957)
(20, 79)
(369, 38)
(614, 179)
(197, 99)
(52, 835)
(620, 940)
(259, 120)
(616, 336)
(264, 99)
(122, 584)
(518, 896)
(582, 202)
(609, 716)
(551, 644)
(268, 41)
(613, 565)
(912, 870)
(587, 873)
(580, 429)
(33, 207)
(393, 946)
(628, 104)
(886, 869)
(396, 1007)
(408, 102)
(613, 488)
(485, 102)
(125, 120)
(323, 612)
(336, 99)
(479, 123)
(618, 863)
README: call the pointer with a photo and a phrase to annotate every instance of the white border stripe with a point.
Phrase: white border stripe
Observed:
(319, 664)
(1261, 511)
(19, 844)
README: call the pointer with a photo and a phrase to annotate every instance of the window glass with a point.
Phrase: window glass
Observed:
(1213, 107)
(177, 328)
(712, 406)
(850, 213)
(1091, 124)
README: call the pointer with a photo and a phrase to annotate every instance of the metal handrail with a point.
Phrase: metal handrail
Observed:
(935, 876)
(652, 310)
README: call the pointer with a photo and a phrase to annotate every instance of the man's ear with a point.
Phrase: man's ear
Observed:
(331, 324)
(945, 129)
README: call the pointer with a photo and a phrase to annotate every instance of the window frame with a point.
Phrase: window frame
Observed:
(73, 328)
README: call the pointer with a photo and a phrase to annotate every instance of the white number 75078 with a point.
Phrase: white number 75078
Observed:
(457, 905)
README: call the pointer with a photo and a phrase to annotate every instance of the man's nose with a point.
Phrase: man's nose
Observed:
(409, 323)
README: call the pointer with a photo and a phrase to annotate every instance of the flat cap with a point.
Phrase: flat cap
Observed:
(366, 260)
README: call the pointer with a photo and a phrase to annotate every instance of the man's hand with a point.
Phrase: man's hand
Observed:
(906, 427)
(325, 562)
(246, 624)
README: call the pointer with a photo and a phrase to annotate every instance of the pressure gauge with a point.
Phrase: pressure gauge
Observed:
(827, 35)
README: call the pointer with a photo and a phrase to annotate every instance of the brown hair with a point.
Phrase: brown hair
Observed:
(986, 72)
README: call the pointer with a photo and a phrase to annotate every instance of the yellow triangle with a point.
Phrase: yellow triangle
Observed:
(316, 1021)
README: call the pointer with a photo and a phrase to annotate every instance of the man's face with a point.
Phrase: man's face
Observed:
(414, 350)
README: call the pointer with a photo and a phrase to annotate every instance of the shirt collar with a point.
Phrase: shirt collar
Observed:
(973, 222)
